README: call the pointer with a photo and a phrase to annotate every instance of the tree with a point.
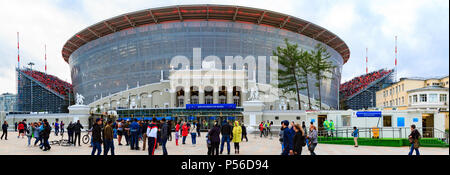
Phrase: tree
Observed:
(305, 69)
(291, 74)
(321, 67)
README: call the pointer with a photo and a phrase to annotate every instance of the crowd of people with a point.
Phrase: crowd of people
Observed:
(357, 84)
(293, 136)
(51, 82)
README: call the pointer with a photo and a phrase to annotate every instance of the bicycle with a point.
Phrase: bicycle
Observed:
(61, 142)
(86, 138)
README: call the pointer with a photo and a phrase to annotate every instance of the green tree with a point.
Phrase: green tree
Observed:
(321, 67)
(305, 70)
(291, 72)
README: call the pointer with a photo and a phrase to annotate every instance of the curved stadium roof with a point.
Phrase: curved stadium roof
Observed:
(205, 12)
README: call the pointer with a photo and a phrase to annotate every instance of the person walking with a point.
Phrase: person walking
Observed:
(36, 133)
(355, 135)
(126, 132)
(261, 128)
(120, 131)
(169, 123)
(5, 130)
(177, 133)
(70, 132)
(226, 132)
(312, 138)
(56, 128)
(414, 140)
(184, 132)
(332, 127)
(97, 137)
(152, 130)
(193, 131)
(281, 135)
(326, 126)
(237, 136)
(287, 139)
(199, 126)
(244, 133)
(299, 139)
(214, 137)
(62, 124)
(144, 134)
(46, 135)
(21, 129)
(134, 129)
(77, 130)
(164, 135)
(108, 134)
(29, 134)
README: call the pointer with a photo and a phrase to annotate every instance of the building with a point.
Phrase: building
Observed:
(360, 92)
(41, 92)
(416, 93)
(7, 102)
(130, 50)
(412, 93)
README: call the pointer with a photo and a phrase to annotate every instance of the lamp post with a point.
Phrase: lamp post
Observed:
(31, 64)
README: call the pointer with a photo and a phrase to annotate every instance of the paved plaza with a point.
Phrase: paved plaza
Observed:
(255, 146)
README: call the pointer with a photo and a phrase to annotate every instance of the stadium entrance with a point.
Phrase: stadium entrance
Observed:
(206, 114)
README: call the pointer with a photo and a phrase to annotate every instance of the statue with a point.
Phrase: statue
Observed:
(282, 105)
(254, 94)
(79, 99)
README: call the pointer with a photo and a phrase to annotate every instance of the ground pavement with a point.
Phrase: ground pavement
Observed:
(254, 146)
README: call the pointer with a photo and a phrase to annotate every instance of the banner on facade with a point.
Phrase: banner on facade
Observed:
(210, 106)
(368, 114)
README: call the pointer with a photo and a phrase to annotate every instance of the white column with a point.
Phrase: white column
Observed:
(229, 95)
(201, 96)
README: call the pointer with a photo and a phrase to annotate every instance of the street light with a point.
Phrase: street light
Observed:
(31, 64)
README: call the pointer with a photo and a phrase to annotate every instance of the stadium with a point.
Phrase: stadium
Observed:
(125, 59)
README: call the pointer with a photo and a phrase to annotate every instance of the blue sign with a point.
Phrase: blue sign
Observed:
(168, 118)
(212, 118)
(415, 120)
(368, 114)
(192, 118)
(401, 122)
(210, 106)
(231, 118)
(313, 120)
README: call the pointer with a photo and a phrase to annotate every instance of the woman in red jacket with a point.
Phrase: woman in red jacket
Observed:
(184, 132)
(177, 133)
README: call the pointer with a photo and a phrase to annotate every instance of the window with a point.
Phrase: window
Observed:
(443, 97)
(403, 87)
(423, 97)
(277, 118)
(346, 121)
(410, 99)
(435, 84)
(396, 89)
(414, 98)
(433, 98)
(396, 102)
(387, 121)
(403, 100)
(298, 118)
(390, 92)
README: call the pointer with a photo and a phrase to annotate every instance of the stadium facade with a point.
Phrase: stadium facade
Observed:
(130, 50)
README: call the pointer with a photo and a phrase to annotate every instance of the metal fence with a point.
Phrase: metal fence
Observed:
(383, 132)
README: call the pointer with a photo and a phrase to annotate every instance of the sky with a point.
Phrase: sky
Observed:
(422, 28)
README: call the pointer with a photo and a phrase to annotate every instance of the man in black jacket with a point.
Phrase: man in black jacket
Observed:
(46, 135)
(77, 130)
(97, 137)
(5, 130)
(164, 135)
(244, 133)
(226, 133)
